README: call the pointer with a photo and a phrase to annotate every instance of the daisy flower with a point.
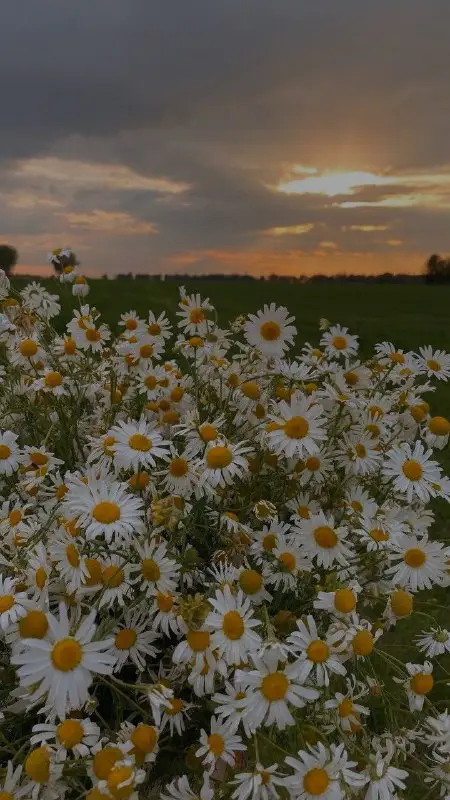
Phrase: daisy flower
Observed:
(337, 341)
(90, 337)
(10, 455)
(157, 574)
(175, 710)
(434, 643)
(130, 321)
(13, 604)
(322, 773)
(193, 314)
(133, 641)
(44, 769)
(437, 431)
(165, 610)
(412, 471)
(419, 684)
(159, 327)
(251, 581)
(65, 553)
(116, 581)
(180, 476)
(266, 540)
(231, 706)
(231, 622)
(383, 779)
(270, 330)
(315, 654)
(272, 689)
(261, 784)
(297, 427)
(357, 455)
(137, 446)
(10, 782)
(319, 539)
(289, 564)
(104, 508)
(77, 735)
(61, 668)
(179, 789)
(51, 382)
(435, 363)
(223, 464)
(340, 603)
(220, 745)
(417, 562)
(348, 713)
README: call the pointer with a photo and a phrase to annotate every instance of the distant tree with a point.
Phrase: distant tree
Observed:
(437, 269)
(8, 258)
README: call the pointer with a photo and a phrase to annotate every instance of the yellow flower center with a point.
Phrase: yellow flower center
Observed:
(28, 348)
(345, 708)
(61, 491)
(145, 737)
(38, 459)
(94, 568)
(312, 463)
(439, 426)
(196, 341)
(251, 390)
(274, 686)
(401, 603)
(296, 427)
(339, 342)
(150, 569)
(196, 316)
(125, 639)
(37, 765)
(318, 651)
(351, 378)
(140, 442)
(325, 537)
(270, 331)
(165, 602)
(434, 365)
(362, 643)
(70, 733)
(360, 450)
(344, 600)
(176, 706)
(93, 335)
(112, 576)
(422, 683)
(250, 581)
(198, 641)
(378, 535)
(269, 542)
(219, 457)
(72, 555)
(233, 625)
(5, 452)
(146, 350)
(104, 761)
(53, 379)
(106, 512)
(6, 602)
(121, 782)
(415, 557)
(34, 625)
(154, 329)
(216, 744)
(288, 561)
(303, 512)
(179, 467)
(107, 442)
(412, 470)
(70, 346)
(316, 781)
(356, 505)
(66, 655)
(6, 796)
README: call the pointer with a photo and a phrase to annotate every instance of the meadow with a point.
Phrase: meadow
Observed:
(410, 315)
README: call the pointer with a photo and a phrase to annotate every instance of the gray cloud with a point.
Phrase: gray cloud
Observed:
(223, 96)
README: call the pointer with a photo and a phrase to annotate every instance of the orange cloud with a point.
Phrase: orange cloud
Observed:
(115, 222)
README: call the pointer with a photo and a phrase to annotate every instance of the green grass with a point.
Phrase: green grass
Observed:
(409, 314)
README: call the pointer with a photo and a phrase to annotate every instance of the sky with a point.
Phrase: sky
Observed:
(256, 136)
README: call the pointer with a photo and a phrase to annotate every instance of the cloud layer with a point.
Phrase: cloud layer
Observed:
(274, 135)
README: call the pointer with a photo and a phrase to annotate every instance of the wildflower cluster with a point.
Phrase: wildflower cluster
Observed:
(211, 551)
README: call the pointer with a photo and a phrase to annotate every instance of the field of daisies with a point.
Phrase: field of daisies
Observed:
(212, 542)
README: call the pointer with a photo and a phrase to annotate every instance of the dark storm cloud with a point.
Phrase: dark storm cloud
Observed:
(221, 95)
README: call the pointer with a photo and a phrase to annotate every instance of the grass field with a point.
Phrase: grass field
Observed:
(409, 314)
